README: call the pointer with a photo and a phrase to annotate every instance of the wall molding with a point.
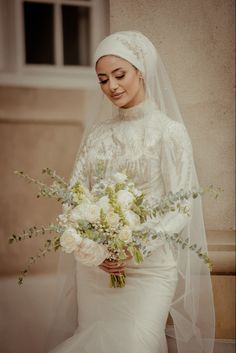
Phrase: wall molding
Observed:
(221, 246)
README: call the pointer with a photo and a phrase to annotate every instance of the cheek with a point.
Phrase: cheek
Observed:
(104, 89)
(133, 84)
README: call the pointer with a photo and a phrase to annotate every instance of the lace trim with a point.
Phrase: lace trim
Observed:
(136, 112)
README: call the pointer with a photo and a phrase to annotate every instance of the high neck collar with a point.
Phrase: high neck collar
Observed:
(136, 112)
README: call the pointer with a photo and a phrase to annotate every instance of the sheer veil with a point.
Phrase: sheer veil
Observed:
(192, 309)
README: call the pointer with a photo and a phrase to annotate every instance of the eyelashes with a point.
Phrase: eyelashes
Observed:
(120, 77)
(103, 82)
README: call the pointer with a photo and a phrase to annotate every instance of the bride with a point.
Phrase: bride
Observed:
(146, 138)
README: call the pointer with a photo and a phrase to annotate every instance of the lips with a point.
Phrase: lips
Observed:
(117, 95)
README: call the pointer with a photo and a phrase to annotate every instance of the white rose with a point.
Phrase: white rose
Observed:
(70, 240)
(113, 218)
(80, 211)
(93, 213)
(125, 198)
(119, 177)
(125, 234)
(75, 214)
(85, 211)
(91, 253)
(103, 203)
(132, 218)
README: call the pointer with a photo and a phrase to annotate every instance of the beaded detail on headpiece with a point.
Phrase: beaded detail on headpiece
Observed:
(136, 49)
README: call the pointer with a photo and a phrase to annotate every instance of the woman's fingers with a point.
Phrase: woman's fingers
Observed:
(128, 254)
(113, 264)
(112, 272)
(112, 267)
(115, 271)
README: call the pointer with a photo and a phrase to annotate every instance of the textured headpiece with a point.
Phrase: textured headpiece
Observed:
(128, 45)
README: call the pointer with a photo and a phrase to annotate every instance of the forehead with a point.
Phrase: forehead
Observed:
(109, 63)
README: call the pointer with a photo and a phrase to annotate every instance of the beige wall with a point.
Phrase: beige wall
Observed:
(38, 128)
(196, 42)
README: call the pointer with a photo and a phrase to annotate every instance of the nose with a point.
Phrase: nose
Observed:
(113, 84)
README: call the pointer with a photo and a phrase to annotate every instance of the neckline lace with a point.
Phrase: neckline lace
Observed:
(137, 111)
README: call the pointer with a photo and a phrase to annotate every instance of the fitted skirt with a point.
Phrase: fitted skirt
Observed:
(124, 320)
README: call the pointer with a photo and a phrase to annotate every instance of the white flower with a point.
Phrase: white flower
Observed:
(103, 203)
(119, 177)
(125, 198)
(87, 194)
(125, 234)
(85, 211)
(62, 218)
(75, 214)
(93, 213)
(112, 218)
(70, 240)
(79, 212)
(66, 208)
(91, 253)
(132, 218)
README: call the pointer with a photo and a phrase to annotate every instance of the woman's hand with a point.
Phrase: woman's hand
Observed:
(112, 267)
(115, 267)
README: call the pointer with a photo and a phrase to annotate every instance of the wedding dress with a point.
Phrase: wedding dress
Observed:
(155, 152)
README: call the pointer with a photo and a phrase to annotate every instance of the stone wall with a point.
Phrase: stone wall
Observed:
(38, 128)
(195, 40)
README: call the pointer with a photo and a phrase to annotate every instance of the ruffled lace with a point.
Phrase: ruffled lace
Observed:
(136, 112)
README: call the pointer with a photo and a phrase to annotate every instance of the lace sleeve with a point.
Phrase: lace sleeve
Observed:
(81, 168)
(177, 172)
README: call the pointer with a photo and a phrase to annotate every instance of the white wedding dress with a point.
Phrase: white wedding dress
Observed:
(156, 153)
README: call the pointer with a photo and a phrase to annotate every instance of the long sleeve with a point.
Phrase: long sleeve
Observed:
(81, 170)
(177, 170)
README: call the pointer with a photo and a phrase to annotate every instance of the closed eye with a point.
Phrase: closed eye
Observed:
(102, 82)
(119, 77)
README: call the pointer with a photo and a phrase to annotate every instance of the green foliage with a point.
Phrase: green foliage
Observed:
(101, 231)
(118, 281)
(49, 245)
(184, 243)
(115, 205)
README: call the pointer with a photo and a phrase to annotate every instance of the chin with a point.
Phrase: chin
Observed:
(120, 103)
(128, 103)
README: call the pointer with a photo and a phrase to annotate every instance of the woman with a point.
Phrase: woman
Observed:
(146, 138)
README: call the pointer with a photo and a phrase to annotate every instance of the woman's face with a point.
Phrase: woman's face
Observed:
(120, 81)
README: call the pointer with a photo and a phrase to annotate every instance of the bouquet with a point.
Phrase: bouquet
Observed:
(109, 221)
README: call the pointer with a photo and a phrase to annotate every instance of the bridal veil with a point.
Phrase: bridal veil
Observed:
(192, 309)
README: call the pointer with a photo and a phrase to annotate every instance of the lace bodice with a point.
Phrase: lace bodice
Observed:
(153, 150)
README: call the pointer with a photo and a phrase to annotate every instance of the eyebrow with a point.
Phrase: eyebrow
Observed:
(119, 68)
